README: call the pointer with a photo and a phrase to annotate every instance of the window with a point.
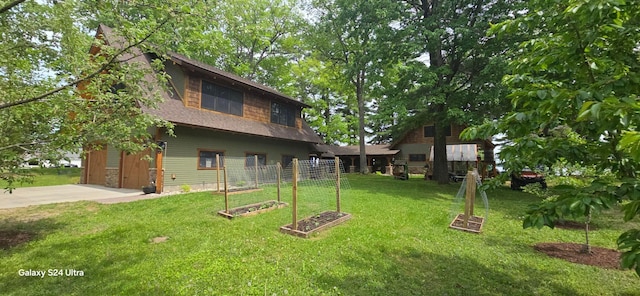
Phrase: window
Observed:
(221, 99)
(417, 157)
(430, 131)
(207, 159)
(282, 114)
(286, 160)
(250, 159)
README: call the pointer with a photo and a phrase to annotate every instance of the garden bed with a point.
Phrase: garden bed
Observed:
(473, 225)
(252, 209)
(316, 223)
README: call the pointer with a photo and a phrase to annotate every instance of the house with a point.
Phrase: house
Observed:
(214, 113)
(379, 157)
(416, 147)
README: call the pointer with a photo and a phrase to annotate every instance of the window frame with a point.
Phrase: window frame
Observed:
(282, 159)
(283, 111)
(213, 167)
(432, 131)
(250, 155)
(230, 101)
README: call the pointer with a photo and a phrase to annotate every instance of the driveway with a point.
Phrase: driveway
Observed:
(28, 196)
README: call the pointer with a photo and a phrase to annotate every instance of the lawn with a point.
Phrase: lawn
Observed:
(49, 177)
(397, 243)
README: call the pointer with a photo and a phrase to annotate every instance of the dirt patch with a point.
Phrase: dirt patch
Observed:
(599, 257)
(159, 239)
(13, 238)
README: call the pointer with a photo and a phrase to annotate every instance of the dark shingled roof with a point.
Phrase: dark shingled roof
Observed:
(355, 150)
(173, 109)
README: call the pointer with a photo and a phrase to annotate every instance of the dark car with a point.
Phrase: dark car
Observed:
(525, 177)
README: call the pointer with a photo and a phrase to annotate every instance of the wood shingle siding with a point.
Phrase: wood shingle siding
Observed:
(256, 108)
(193, 93)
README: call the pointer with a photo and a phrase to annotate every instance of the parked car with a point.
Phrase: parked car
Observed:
(527, 176)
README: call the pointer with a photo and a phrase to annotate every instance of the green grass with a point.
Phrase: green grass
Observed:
(397, 243)
(49, 177)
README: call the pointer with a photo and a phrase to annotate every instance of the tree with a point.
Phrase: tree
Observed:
(575, 86)
(357, 36)
(320, 85)
(453, 72)
(46, 55)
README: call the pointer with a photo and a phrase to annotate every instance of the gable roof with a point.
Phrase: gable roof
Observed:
(172, 108)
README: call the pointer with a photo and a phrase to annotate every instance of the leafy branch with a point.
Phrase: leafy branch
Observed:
(102, 68)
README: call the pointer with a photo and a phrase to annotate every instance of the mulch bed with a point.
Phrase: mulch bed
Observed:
(252, 209)
(12, 238)
(474, 224)
(599, 257)
(316, 223)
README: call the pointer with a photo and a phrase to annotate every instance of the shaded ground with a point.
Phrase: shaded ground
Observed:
(600, 257)
(567, 224)
(12, 238)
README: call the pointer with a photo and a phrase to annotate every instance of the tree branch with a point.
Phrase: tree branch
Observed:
(11, 5)
(112, 60)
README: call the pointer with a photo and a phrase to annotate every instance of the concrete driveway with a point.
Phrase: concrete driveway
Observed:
(29, 196)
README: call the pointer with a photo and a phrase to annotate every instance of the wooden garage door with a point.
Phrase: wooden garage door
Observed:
(97, 167)
(135, 171)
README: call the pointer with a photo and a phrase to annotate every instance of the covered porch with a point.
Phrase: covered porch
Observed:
(379, 157)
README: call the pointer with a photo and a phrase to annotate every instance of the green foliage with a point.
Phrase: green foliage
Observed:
(574, 94)
(185, 188)
(56, 97)
(358, 39)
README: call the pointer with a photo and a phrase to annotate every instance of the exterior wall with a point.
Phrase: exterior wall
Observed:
(112, 177)
(193, 91)
(415, 167)
(113, 157)
(181, 156)
(416, 136)
(255, 106)
(178, 79)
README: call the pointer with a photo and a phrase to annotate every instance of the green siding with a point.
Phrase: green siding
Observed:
(113, 157)
(181, 157)
(177, 77)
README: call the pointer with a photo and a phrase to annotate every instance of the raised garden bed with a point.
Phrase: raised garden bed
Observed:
(316, 223)
(474, 224)
(252, 209)
(238, 190)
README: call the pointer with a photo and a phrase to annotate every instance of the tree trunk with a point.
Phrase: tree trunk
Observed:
(363, 154)
(586, 248)
(440, 169)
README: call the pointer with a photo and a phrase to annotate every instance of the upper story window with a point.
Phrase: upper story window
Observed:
(430, 131)
(283, 114)
(221, 99)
